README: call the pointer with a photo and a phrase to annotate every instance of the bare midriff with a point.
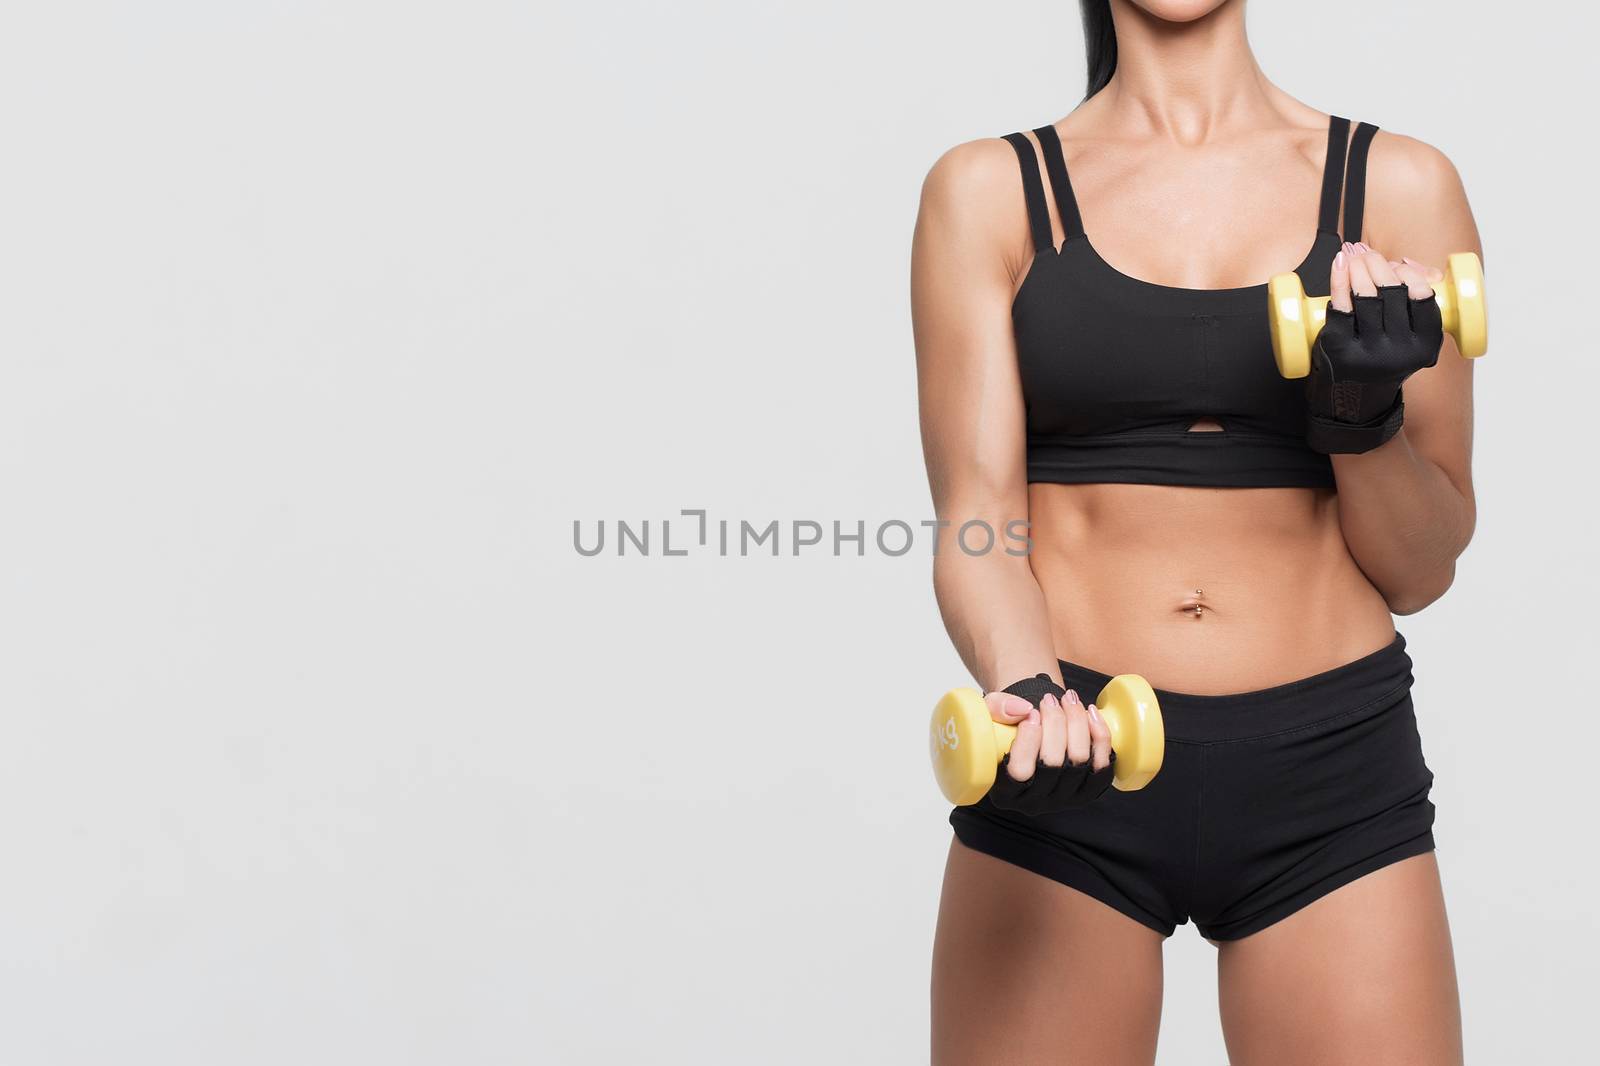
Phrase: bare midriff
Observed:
(1202, 590)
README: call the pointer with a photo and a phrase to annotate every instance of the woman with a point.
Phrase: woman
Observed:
(1093, 357)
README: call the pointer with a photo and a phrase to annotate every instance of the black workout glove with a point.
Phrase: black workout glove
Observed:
(1051, 788)
(1358, 363)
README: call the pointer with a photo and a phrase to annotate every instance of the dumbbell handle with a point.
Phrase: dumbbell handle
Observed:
(1296, 318)
(966, 743)
(1316, 314)
(1006, 735)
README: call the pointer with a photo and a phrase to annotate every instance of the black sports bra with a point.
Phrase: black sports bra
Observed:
(1115, 370)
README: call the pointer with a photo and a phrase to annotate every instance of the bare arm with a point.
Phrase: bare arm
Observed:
(1407, 508)
(967, 253)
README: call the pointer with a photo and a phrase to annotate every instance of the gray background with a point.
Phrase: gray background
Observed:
(322, 322)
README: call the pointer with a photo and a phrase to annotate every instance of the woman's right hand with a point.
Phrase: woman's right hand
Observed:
(1061, 757)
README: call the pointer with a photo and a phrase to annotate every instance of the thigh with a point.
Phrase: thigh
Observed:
(1363, 975)
(1026, 970)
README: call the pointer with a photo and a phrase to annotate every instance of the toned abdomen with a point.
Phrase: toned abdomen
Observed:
(1207, 591)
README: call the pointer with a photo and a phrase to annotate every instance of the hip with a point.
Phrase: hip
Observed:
(1266, 800)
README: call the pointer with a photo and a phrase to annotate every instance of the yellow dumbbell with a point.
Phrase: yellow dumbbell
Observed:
(966, 744)
(1296, 318)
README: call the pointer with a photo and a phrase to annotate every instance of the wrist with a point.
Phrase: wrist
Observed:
(1334, 436)
(1034, 689)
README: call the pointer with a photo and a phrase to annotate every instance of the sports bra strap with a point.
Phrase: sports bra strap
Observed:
(1056, 165)
(1332, 172)
(1355, 182)
(1032, 191)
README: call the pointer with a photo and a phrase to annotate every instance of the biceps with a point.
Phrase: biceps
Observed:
(1438, 221)
(973, 439)
(969, 394)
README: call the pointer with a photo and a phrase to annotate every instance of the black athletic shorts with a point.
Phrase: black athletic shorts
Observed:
(1265, 802)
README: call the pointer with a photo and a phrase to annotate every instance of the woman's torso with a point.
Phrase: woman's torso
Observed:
(1124, 566)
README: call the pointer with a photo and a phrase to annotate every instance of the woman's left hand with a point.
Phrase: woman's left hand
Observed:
(1361, 270)
(1383, 325)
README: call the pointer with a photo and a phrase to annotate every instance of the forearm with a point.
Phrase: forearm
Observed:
(995, 614)
(1405, 521)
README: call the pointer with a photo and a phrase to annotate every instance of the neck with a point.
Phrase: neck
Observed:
(1184, 80)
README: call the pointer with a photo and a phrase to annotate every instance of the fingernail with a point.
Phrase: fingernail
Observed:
(1072, 698)
(1016, 706)
(1050, 701)
(1362, 246)
(1093, 713)
(1338, 261)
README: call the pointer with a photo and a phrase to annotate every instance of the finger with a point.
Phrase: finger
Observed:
(1100, 738)
(1419, 278)
(1435, 275)
(1396, 308)
(1361, 283)
(1053, 742)
(1004, 707)
(1024, 749)
(1339, 282)
(1078, 747)
(1380, 269)
(1369, 314)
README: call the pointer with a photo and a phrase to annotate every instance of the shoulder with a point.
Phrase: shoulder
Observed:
(977, 180)
(1404, 166)
(1416, 199)
(972, 200)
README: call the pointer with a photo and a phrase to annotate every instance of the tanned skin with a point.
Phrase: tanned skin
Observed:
(1190, 170)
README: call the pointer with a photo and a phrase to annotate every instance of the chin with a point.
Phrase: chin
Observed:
(1178, 10)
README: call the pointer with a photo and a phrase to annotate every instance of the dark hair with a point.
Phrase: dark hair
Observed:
(1099, 42)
